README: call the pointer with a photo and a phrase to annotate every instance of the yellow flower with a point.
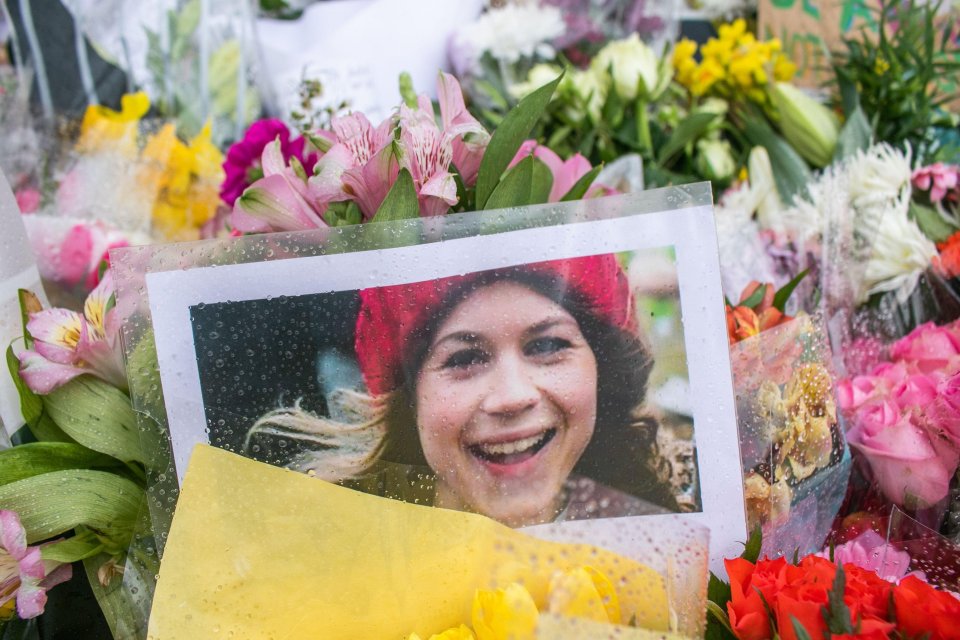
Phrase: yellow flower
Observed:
(456, 633)
(104, 129)
(183, 180)
(806, 442)
(708, 73)
(783, 69)
(584, 592)
(504, 614)
(683, 61)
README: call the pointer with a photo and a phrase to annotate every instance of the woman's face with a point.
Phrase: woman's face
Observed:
(506, 404)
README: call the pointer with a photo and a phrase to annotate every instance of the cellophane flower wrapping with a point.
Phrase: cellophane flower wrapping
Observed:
(795, 459)
(256, 551)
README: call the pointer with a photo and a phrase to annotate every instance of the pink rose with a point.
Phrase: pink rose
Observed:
(928, 347)
(853, 392)
(904, 459)
(915, 390)
(944, 413)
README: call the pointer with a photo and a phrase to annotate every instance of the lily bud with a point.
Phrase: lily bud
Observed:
(715, 160)
(810, 128)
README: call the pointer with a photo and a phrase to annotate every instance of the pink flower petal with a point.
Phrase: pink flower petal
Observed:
(13, 537)
(76, 252)
(56, 332)
(43, 376)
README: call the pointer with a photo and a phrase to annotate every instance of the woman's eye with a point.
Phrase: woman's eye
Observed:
(465, 358)
(546, 346)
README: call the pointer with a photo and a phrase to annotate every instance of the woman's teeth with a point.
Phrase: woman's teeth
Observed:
(515, 451)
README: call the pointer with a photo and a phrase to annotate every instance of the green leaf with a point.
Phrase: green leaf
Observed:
(754, 298)
(97, 415)
(407, 92)
(508, 137)
(529, 182)
(40, 424)
(798, 629)
(687, 131)
(718, 591)
(790, 173)
(401, 201)
(78, 547)
(751, 550)
(720, 615)
(53, 503)
(37, 458)
(578, 190)
(931, 222)
(855, 135)
(783, 294)
(836, 614)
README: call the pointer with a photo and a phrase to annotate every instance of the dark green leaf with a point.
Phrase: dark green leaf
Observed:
(790, 173)
(528, 182)
(578, 190)
(798, 629)
(401, 201)
(754, 299)
(718, 591)
(718, 623)
(688, 130)
(36, 458)
(855, 135)
(508, 137)
(836, 614)
(931, 223)
(783, 294)
(751, 550)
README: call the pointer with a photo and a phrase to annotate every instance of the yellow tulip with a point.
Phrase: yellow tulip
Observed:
(584, 592)
(104, 129)
(504, 614)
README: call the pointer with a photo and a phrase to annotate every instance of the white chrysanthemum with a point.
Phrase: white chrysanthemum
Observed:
(901, 252)
(514, 32)
(879, 176)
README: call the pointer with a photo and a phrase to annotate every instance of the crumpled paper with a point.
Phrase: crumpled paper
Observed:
(256, 551)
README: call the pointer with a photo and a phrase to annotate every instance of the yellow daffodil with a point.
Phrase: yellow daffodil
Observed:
(104, 129)
(505, 614)
(584, 592)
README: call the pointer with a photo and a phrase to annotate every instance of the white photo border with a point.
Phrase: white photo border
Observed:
(690, 231)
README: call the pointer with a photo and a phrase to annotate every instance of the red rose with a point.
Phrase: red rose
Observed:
(924, 611)
(748, 617)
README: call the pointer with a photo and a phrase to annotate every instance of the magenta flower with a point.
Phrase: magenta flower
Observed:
(282, 200)
(565, 173)
(360, 166)
(242, 164)
(24, 575)
(68, 344)
(471, 143)
(939, 179)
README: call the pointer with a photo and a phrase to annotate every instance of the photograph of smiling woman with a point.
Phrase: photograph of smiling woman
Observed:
(518, 393)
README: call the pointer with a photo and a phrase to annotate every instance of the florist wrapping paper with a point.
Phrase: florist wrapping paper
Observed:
(257, 551)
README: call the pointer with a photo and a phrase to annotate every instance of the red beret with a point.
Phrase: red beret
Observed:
(389, 315)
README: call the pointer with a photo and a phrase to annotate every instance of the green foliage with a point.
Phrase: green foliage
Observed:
(401, 202)
(527, 183)
(508, 137)
(899, 73)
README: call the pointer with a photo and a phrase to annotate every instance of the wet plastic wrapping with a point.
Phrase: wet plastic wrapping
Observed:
(250, 529)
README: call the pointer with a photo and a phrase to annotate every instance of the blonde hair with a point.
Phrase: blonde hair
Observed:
(346, 445)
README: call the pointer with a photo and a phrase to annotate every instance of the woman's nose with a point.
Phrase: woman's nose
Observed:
(513, 388)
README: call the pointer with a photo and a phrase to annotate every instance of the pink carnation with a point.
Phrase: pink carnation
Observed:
(242, 165)
(939, 179)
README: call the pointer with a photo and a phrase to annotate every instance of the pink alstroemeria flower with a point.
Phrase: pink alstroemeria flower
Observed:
(426, 152)
(565, 173)
(361, 165)
(24, 575)
(938, 179)
(470, 145)
(68, 344)
(279, 201)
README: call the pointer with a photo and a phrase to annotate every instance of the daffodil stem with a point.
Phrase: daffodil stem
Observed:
(643, 127)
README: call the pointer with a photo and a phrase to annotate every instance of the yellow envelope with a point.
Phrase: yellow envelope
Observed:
(261, 552)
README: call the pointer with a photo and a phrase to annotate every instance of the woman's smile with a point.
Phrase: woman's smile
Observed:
(506, 403)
